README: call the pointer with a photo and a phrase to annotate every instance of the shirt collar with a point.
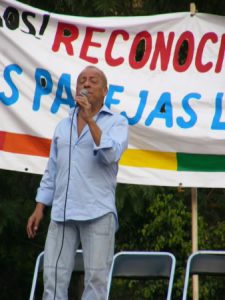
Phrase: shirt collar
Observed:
(104, 109)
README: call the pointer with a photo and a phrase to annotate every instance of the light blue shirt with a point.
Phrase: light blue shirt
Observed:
(93, 169)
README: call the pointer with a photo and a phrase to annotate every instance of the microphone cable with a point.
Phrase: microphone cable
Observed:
(83, 92)
(65, 203)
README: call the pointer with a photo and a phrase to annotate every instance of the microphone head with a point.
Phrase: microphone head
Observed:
(83, 92)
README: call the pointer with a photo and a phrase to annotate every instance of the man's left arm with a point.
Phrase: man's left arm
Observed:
(96, 132)
(113, 142)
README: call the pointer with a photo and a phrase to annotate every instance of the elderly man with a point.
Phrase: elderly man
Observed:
(79, 183)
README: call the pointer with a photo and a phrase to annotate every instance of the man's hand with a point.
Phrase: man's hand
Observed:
(34, 220)
(85, 108)
(86, 113)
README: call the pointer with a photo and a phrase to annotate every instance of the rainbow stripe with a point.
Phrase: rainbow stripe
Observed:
(36, 146)
(174, 161)
(24, 144)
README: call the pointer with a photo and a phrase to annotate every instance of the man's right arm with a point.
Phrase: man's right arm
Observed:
(44, 195)
(34, 220)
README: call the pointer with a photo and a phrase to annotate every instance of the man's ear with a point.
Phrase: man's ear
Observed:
(105, 91)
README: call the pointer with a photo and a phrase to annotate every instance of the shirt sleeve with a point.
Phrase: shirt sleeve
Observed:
(113, 142)
(45, 192)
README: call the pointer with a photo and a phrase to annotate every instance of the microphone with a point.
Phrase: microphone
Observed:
(83, 92)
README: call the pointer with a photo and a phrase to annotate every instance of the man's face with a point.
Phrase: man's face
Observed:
(92, 80)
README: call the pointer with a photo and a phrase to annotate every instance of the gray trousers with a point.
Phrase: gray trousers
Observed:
(97, 238)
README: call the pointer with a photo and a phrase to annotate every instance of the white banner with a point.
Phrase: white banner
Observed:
(173, 98)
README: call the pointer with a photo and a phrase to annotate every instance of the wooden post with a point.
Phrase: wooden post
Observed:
(193, 9)
(194, 200)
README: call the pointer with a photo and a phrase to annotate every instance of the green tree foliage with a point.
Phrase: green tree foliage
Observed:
(98, 8)
(17, 253)
(159, 219)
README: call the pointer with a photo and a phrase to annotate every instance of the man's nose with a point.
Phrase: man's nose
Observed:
(87, 83)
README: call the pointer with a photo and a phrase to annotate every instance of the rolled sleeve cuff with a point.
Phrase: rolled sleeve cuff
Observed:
(105, 143)
(44, 196)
